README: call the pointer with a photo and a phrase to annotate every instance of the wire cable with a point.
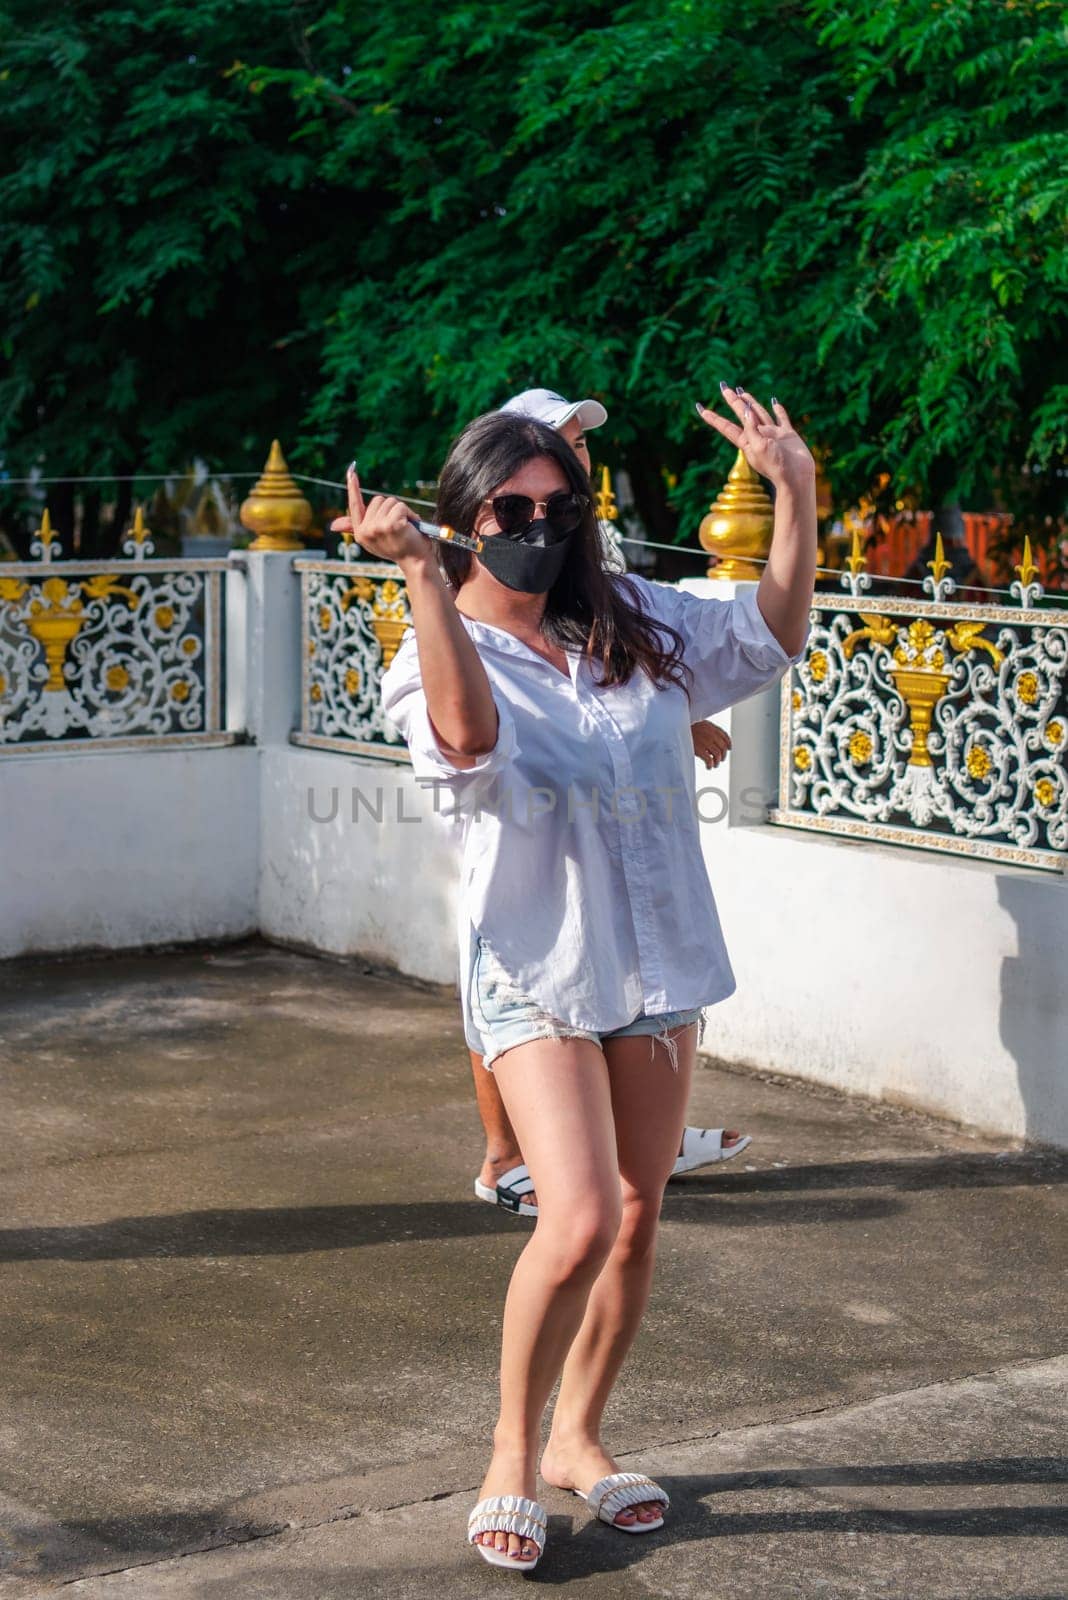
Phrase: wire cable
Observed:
(331, 483)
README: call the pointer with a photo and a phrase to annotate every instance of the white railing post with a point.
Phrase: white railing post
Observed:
(749, 774)
(272, 644)
(236, 642)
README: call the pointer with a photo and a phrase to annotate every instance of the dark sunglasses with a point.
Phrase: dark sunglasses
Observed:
(563, 511)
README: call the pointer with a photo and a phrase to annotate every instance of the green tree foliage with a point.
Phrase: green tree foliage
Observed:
(948, 305)
(391, 217)
(569, 194)
(161, 238)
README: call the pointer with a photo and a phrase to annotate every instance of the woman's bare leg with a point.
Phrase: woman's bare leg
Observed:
(649, 1106)
(557, 1096)
(502, 1146)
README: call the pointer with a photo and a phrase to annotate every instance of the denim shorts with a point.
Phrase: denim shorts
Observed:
(503, 1016)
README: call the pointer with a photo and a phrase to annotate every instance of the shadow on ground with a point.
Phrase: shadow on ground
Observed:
(278, 1231)
(293, 1231)
(1005, 1169)
(696, 1515)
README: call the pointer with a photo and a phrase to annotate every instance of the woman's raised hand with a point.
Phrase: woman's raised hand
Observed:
(384, 528)
(768, 439)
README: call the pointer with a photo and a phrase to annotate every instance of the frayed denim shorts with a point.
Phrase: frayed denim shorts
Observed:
(504, 1017)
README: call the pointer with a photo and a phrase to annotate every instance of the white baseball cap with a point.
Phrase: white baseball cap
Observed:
(545, 405)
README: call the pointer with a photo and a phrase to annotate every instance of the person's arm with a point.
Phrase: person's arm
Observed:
(784, 593)
(458, 695)
(773, 448)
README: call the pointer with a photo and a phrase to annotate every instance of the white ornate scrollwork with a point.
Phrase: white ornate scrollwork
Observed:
(120, 650)
(354, 616)
(944, 725)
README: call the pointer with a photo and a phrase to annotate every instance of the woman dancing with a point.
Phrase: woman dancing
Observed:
(554, 700)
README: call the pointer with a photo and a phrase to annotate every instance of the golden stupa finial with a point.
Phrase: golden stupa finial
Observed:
(276, 511)
(737, 530)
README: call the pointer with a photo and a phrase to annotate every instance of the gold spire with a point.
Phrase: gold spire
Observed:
(276, 511)
(605, 509)
(45, 536)
(139, 533)
(857, 559)
(939, 566)
(1027, 572)
(737, 530)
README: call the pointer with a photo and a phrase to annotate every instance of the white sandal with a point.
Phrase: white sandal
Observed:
(702, 1146)
(609, 1496)
(511, 1187)
(508, 1513)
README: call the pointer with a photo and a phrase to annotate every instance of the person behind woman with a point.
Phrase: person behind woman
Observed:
(589, 939)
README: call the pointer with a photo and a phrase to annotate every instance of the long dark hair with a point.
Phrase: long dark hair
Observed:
(586, 608)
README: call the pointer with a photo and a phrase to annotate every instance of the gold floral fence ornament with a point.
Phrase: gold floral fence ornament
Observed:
(95, 651)
(389, 616)
(939, 724)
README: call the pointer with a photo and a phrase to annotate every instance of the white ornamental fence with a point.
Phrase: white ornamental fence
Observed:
(931, 724)
(353, 616)
(110, 653)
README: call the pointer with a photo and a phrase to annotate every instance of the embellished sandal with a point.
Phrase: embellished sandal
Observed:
(609, 1496)
(511, 1187)
(508, 1513)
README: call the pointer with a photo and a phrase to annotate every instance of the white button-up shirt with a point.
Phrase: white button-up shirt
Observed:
(581, 860)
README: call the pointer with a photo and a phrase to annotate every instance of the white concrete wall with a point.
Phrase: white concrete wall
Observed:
(333, 878)
(112, 849)
(919, 979)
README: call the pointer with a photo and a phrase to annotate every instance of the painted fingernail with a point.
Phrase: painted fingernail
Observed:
(350, 468)
(738, 389)
(724, 386)
(774, 401)
(699, 406)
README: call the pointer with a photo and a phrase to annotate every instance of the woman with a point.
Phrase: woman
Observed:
(504, 1179)
(555, 700)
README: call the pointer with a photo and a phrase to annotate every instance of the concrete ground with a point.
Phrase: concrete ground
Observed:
(250, 1309)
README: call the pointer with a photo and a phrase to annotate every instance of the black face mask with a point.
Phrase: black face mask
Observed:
(531, 560)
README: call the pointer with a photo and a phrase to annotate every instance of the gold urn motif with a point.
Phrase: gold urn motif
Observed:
(389, 634)
(921, 688)
(389, 619)
(919, 672)
(737, 530)
(54, 626)
(276, 511)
